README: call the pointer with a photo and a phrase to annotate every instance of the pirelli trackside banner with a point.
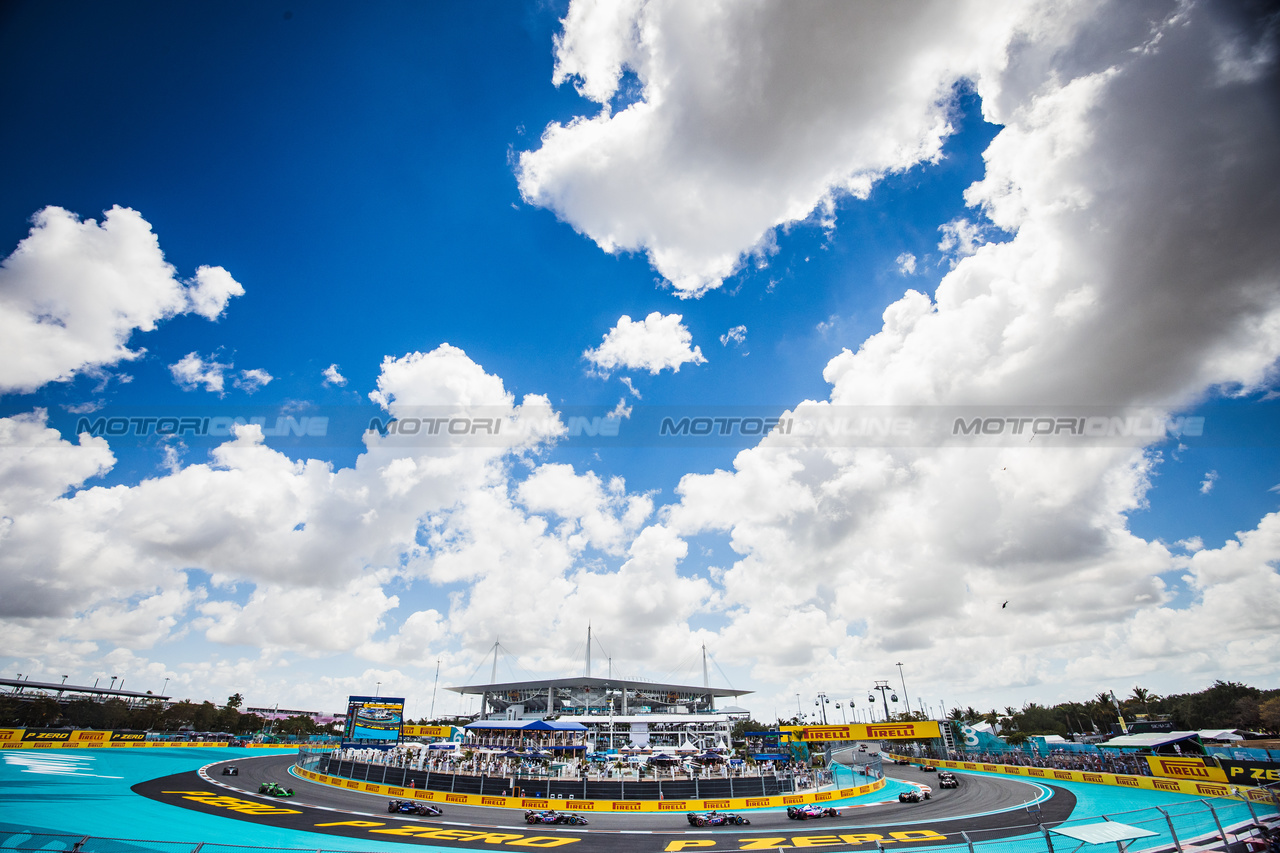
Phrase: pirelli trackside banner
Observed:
(85, 739)
(867, 731)
(446, 732)
(1183, 785)
(1185, 767)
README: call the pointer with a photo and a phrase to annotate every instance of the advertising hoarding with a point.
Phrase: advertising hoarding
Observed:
(374, 718)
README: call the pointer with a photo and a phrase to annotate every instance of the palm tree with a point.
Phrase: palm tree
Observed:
(1144, 697)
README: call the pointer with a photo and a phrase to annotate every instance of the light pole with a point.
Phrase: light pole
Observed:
(821, 702)
(905, 697)
(163, 689)
(377, 690)
(113, 682)
(843, 717)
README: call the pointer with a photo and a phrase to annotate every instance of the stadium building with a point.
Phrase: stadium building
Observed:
(619, 714)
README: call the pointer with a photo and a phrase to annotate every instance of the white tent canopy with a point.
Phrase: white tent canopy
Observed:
(1219, 734)
(1150, 740)
(1103, 833)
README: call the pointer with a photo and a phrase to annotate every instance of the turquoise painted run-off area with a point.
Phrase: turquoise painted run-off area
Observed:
(49, 799)
(79, 792)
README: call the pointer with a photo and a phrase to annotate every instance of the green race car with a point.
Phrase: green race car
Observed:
(274, 789)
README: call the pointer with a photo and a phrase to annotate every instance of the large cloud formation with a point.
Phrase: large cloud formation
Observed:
(1135, 169)
(73, 293)
(751, 115)
(1135, 174)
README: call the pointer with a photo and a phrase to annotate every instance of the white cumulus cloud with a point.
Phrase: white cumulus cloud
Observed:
(73, 292)
(750, 116)
(252, 380)
(333, 377)
(192, 371)
(658, 342)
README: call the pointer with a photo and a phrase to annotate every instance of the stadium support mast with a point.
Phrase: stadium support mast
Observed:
(706, 682)
(588, 650)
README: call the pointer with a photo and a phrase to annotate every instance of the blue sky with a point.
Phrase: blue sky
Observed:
(385, 180)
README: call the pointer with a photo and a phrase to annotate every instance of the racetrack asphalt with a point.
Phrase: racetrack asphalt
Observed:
(983, 806)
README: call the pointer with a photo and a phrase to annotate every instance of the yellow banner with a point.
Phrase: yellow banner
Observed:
(427, 731)
(1180, 767)
(128, 744)
(88, 737)
(725, 804)
(1145, 783)
(867, 731)
(11, 735)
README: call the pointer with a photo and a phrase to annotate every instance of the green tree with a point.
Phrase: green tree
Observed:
(1215, 707)
(83, 714)
(1037, 719)
(1269, 715)
(297, 726)
(39, 713)
(738, 731)
(235, 701)
(1143, 697)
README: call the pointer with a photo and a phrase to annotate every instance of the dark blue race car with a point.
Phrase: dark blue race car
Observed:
(413, 807)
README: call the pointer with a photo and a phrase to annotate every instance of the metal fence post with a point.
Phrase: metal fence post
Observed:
(1047, 840)
(1252, 813)
(969, 841)
(1172, 831)
(1222, 833)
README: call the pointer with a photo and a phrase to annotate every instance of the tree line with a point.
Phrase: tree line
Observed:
(47, 712)
(1224, 705)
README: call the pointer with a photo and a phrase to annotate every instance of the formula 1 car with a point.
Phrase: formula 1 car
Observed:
(901, 761)
(413, 807)
(553, 816)
(929, 768)
(810, 810)
(915, 795)
(274, 789)
(948, 780)
(230, 770)
(715, 818)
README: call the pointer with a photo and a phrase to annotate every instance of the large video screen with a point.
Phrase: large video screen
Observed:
(374, 718)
